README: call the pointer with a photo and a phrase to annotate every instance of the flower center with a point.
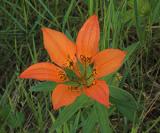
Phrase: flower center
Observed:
(84, 80)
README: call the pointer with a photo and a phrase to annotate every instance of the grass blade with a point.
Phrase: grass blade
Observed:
(103, 119)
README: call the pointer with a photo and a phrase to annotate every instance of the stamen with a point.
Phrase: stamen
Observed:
(93, 83)
(88, 60)
(62, 75)
(94, 72)
(69, 63)
(85, 59)
(74, 88)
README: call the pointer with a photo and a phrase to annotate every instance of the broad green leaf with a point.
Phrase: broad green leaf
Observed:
(89, 124)
(69, 111)
(124, 101)
(44, 86)
(103, 118)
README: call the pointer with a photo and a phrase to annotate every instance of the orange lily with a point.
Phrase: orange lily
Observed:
(65, 54)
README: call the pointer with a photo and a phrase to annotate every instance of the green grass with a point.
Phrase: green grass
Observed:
(122, 23)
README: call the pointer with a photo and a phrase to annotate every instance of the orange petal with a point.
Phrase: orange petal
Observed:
(62, 95)
(61, 50)
(99, 92)
(44, 71)
(87, 40)
(108, 61)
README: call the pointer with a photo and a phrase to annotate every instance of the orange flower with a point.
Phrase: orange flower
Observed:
(65, 54)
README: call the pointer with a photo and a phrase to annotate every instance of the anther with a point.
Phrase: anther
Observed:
(94, 72)
(93, 83)
(85, 59)
(88, 60)
(62, 75)
(73, 88)
(69, 63)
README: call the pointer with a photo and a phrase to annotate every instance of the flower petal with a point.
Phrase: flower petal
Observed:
(44, 71)
(61, 50)
(62, 95)
(108, 61)
(99, 92)
(87, 40)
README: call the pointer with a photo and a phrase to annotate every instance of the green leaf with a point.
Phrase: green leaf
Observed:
(76, 122)
(110, 79)
(103, 118)
(69, 111)
(69, 10)
(86, 1)
(67, 33)
(90, 123)
(143, 6)
(5, 111)
(44, 86)
(58, 130)
(16, 120)
(131, 49)
(156, 15)
(124, 101)
(128, 17)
